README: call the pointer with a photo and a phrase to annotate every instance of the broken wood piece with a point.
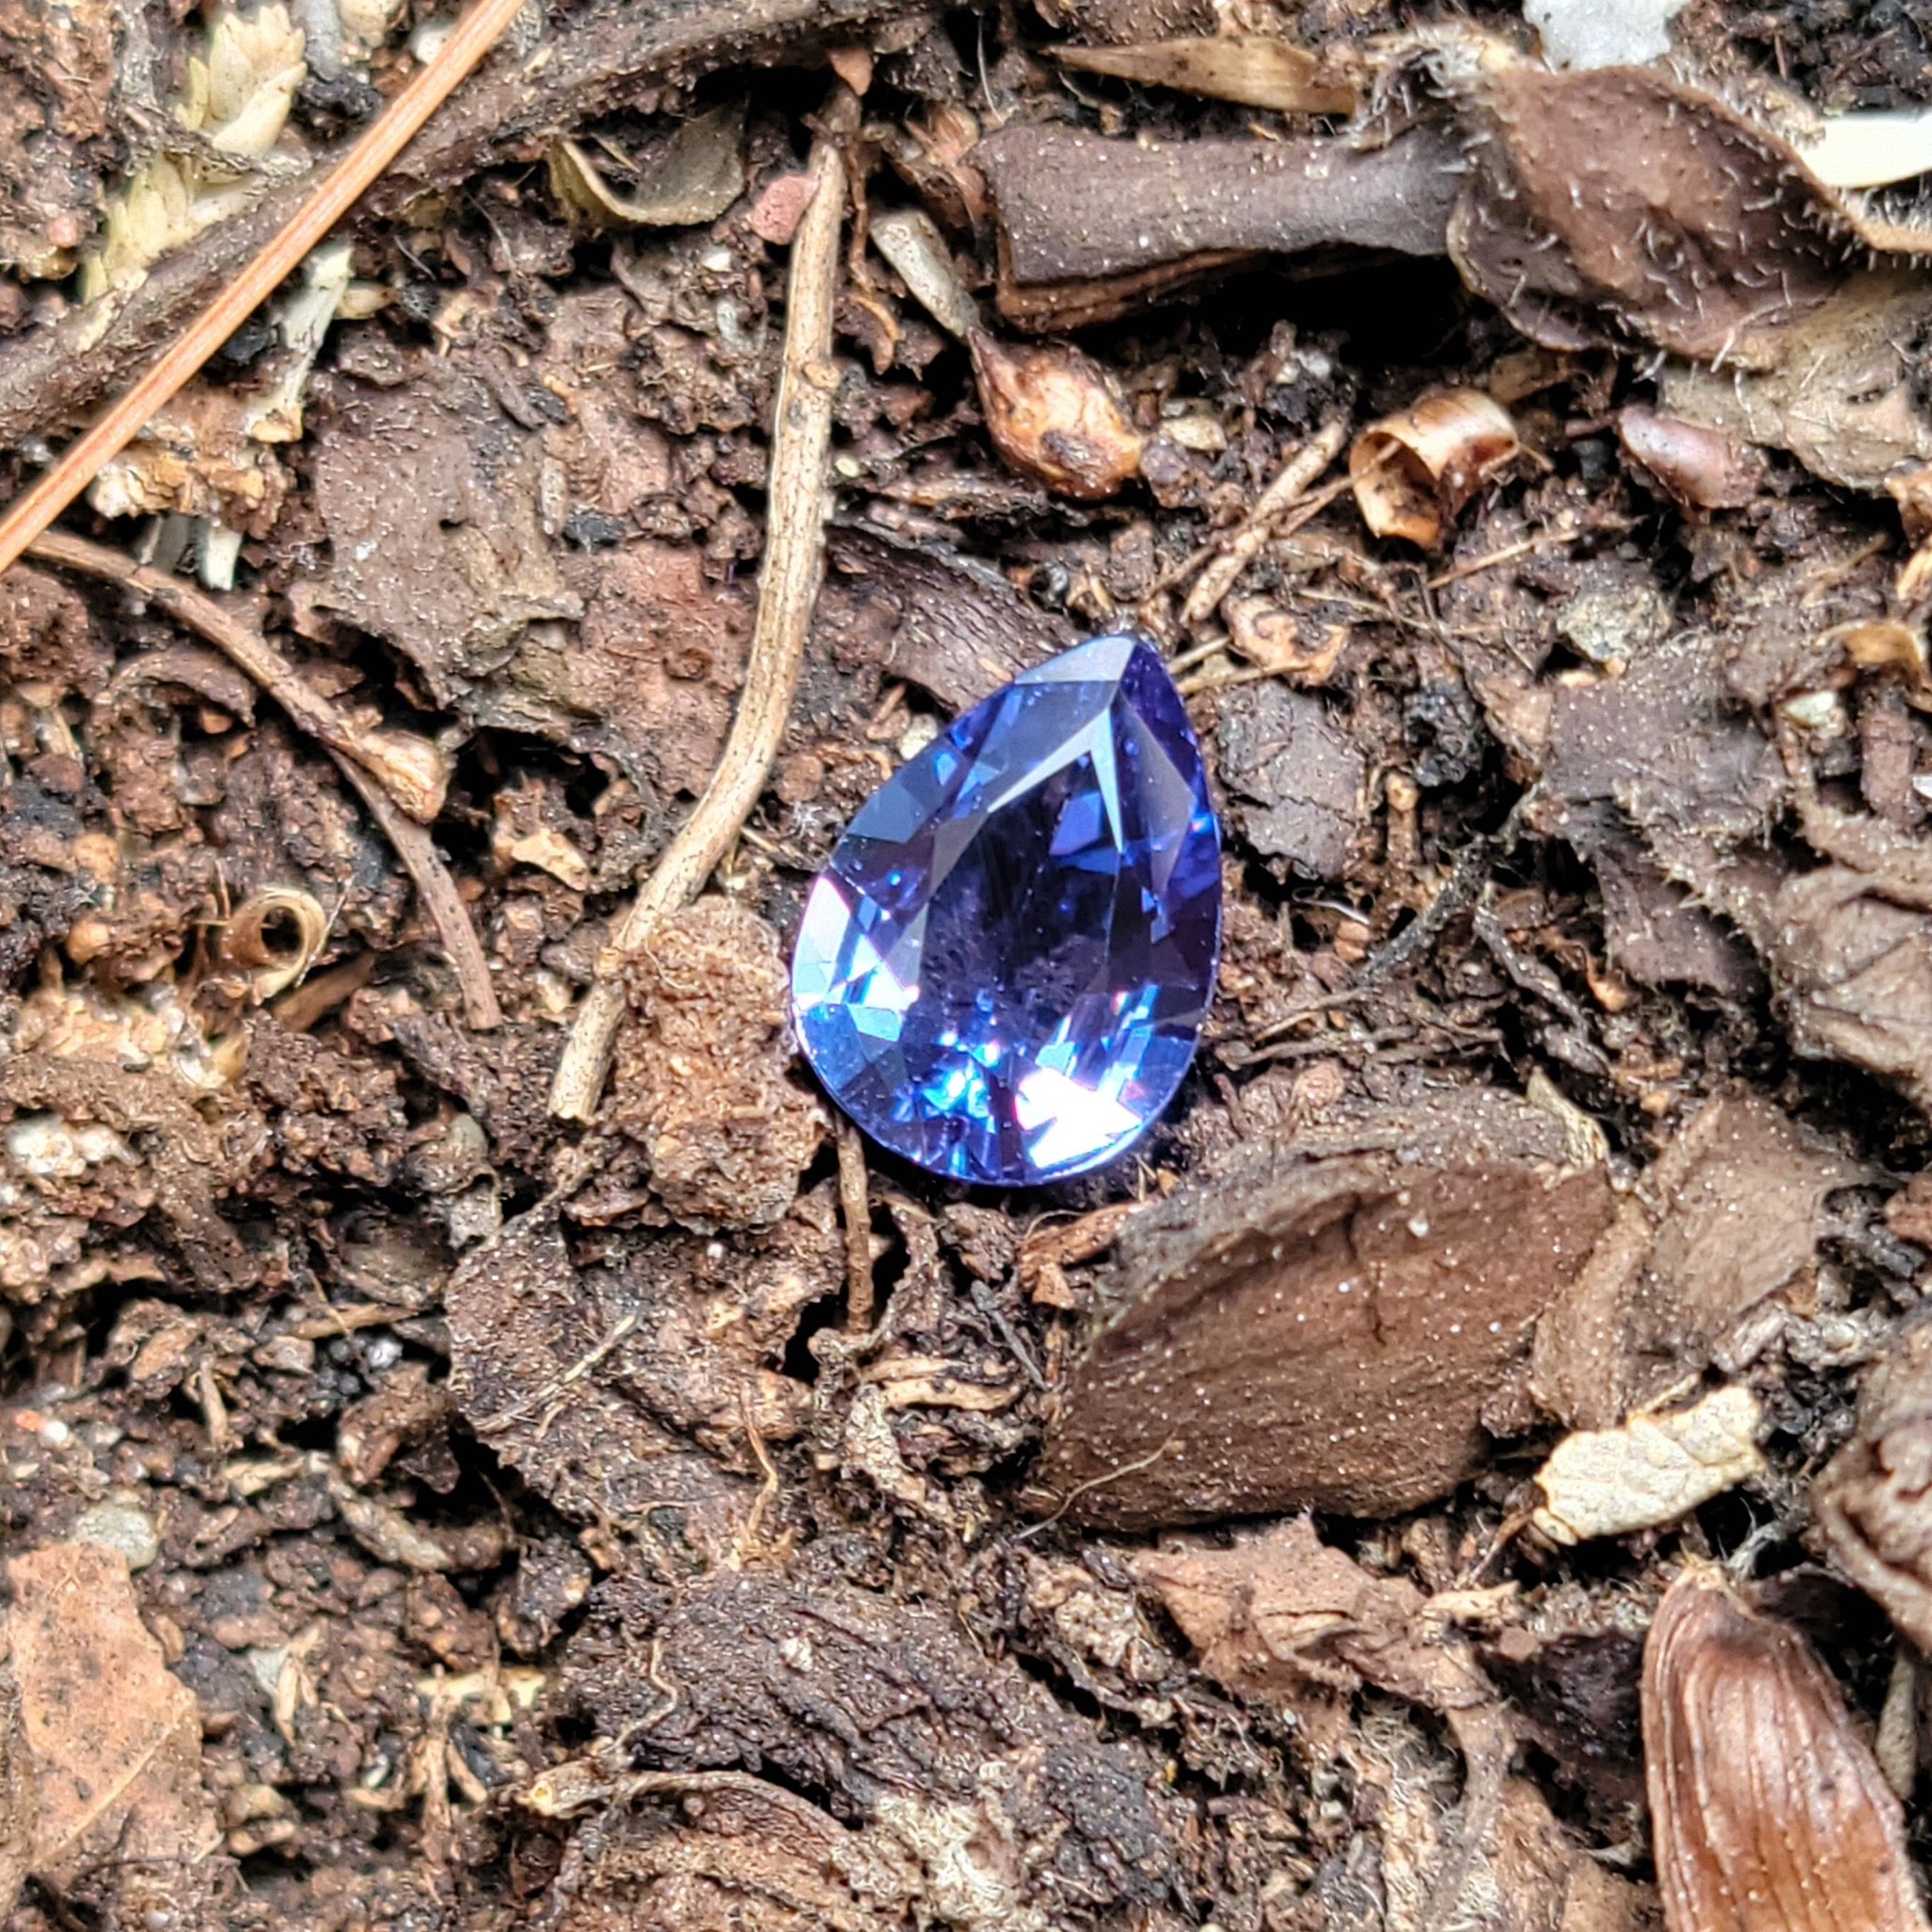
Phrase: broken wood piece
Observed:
(1254, 70)
(378, 764)
(787, 587)
(473, 37)
(1076, 209)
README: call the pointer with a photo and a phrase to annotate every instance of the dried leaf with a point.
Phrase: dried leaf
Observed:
(1310, 1332)
(1727, 1216)
(1413, 470)
(1768, 1812)
(1281, 1615)
(1845, 394)
(1873, 1498)
(1055, 416)
(1652, 1470)
(100, 1746)
(697, 174)
(1256, 69)
(1621, 204)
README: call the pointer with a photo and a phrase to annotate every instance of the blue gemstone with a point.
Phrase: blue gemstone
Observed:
(1003, 972)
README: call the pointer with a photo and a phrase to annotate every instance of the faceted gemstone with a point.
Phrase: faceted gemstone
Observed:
(1003, 971)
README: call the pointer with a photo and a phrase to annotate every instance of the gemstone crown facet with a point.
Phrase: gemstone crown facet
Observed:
(1003, 971)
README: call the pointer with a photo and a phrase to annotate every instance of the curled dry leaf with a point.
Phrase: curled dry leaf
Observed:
(1055, 415)
(1413, 470)
(1873, 1499)
(1655, 1469)
(1322, 1328)
(1257, 70)
(1768, 1811)
(276, 936)
(694, 177)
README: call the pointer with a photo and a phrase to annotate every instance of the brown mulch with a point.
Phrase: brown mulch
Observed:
(420, 1510)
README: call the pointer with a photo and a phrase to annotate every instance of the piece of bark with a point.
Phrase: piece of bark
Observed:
(700, 1851)
(597, 64)
(531, 1369)
(1652, 930)
(1298, 775)
(959, 630)
(1322, 1329)
(1873, 1499)
(701, 1078)
(1019, 1813)
(100, 1746)
(1768, 1811)
(1726, 1216)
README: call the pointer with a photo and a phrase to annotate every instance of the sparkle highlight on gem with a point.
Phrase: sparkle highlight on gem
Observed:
(1003, 972)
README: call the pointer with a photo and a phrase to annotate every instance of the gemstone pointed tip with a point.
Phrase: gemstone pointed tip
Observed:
(1003, 972)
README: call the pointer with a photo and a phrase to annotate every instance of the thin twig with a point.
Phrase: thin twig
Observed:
(440, 900)
(392, 131)
(787, 586)
(412, 771)
(855, 1203)
(1227, 555)
(353, 749)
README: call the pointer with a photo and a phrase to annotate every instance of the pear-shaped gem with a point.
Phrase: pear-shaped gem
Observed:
(1003, 971)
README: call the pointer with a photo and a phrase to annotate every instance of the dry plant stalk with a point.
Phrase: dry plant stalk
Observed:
(392, 131)
(787, 587)
(1768, 1811)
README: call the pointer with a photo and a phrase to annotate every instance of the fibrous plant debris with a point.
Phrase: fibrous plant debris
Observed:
(482, 1445)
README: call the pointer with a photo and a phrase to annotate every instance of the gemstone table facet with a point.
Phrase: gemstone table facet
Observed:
(1002, 974)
